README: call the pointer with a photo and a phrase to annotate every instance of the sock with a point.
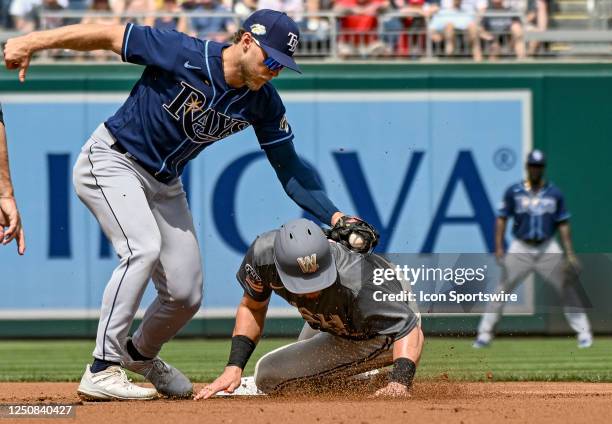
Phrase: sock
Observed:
(100, 365)
(136, 356)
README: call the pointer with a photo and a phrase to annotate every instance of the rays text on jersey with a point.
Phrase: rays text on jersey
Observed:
(201, 125)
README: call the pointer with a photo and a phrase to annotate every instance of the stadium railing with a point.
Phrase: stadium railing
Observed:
(323, 38)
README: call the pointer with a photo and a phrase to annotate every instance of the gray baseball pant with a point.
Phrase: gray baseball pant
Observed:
(151, 229)
(320, 358)
(548, 261)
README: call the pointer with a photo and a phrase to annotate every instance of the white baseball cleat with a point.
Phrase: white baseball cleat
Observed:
(585, 342)
(111, 384)
(481, 343)
(247, 388)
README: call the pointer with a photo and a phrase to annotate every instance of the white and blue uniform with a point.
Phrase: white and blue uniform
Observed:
(536, 216)
(127, 175)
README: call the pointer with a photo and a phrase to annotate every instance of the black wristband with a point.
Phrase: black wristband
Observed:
(242, 348)
(403, 372)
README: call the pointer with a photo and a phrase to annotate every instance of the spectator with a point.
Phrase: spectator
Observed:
(26, 14)
(496, 28)
(398, 29)
(537, 20)
(293, 8)
(5, 16)
(178, 23)
(140, 9)
(245, 7)
(217, 28)
(93, 17)
(453, 15)
(358, 25)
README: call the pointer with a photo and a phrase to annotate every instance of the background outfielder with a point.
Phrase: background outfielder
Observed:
(347, 332)
(538, 209)
(191, 94)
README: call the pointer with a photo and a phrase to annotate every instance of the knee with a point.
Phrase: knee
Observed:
(187, 288)
(189, 298)
(472, 29)
(147, 252)
(267, 378)
(517, 30)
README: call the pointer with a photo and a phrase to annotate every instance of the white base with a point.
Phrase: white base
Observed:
(247, 388)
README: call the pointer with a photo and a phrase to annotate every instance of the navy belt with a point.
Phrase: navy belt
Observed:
(118, 148)
(533, 242)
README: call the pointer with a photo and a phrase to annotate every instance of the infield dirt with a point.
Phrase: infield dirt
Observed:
(431, 403)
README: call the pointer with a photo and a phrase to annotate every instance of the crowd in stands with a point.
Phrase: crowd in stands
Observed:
(364, 28)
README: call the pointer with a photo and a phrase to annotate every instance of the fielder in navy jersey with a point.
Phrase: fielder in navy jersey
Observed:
(191, 94)
(538, 210)
(10, 220)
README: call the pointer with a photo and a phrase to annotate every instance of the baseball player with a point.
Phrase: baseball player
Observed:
(347, 331)
(191, 94)
(538, 209)
(10, 220)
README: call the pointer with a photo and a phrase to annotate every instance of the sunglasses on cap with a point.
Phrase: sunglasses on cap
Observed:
(270, 63)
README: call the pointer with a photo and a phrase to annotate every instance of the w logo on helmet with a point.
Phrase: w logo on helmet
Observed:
(308, 264)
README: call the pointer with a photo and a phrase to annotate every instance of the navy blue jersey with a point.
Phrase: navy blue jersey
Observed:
(536, 215)
(181, 104)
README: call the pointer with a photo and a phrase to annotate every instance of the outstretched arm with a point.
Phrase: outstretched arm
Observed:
(500, 232)
(406, 355)
(566, 240)
(302, 183)
(249, 325)
(9, 214)
(84, 37)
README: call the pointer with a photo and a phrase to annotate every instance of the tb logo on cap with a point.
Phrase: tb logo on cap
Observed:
(308, 264)
(293, 42)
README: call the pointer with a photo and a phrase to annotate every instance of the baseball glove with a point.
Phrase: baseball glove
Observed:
(354, 233)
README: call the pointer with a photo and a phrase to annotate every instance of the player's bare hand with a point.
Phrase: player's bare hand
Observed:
(393, 390)
(9, 217)
(573, 264)
(228, 381)
(499, 255)
(17, 55)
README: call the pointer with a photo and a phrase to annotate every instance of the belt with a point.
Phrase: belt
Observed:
(118, 148)
(533, 242)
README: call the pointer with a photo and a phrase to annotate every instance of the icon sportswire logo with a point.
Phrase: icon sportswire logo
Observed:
(189, 66)
(308, 264)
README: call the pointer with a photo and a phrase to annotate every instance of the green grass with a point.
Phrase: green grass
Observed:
(508, 359)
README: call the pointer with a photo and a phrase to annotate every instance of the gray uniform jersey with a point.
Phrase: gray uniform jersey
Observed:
(347, 308)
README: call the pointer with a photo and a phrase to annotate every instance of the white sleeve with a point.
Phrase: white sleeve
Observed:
(20, 8)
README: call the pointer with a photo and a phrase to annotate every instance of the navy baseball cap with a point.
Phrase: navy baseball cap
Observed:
(303, 257)
(276, 33)
(537, 158)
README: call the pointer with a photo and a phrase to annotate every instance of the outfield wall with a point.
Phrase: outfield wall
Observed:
(422, 151)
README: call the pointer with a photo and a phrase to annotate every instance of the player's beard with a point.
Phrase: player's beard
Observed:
(251, 78)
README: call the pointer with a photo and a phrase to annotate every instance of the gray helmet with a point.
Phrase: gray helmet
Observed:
(303, 258)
